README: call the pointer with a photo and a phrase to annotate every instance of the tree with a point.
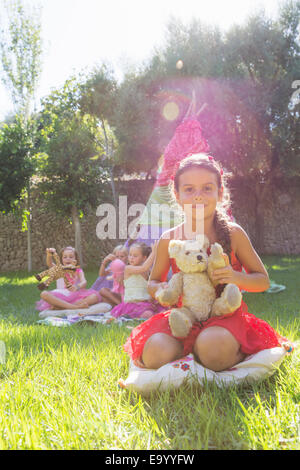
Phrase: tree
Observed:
(143, 124)
(20, 53)
(245, 79)
(99, 99)
(16, 164)
(268, 51)
(136, 124)
(71, 179)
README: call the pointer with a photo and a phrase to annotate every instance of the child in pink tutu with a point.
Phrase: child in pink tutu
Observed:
(114, 295)
(76, 296)
(137, 302)
(104, 279)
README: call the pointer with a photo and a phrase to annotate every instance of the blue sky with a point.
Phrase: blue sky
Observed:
(79, 34)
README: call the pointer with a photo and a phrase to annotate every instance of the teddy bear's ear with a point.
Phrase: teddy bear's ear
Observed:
(174, 247)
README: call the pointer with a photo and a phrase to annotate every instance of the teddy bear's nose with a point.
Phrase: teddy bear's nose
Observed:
(199, 258)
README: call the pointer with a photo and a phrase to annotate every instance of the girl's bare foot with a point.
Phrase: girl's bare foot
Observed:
(139, 363)
(81, 304)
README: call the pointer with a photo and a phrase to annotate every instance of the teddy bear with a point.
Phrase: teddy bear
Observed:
(194, 285)
(55, 272)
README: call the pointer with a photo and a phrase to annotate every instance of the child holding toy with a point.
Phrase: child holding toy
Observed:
(75, 296)
(137, 303)
(110, 281)
(221, 341)
(104, 279)
(114, 295)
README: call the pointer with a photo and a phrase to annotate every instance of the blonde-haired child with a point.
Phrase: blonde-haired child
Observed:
(137, 303)
(105, 283)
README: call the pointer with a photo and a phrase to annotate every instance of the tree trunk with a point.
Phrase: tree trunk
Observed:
(29, 248)
(113, 187)
(77, 228)
(108, 154)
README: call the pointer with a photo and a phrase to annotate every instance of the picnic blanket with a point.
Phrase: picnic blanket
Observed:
(96, 314)
(95, 309)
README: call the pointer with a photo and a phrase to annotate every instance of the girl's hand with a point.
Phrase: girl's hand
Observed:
(161, 285)
(226, 275)
(51, 250)
(154, 247)
(120, 278)
(109, 257)
(73, 288)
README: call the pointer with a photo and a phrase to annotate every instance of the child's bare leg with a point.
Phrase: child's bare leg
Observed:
(55, 301)
(81, 304)
(90, 300)
(217, 349)
(160, 349)
(109, 296)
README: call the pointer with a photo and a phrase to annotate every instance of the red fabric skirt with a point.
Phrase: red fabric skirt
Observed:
(251, 332)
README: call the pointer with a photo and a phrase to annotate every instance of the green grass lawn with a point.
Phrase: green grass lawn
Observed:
(58, 386)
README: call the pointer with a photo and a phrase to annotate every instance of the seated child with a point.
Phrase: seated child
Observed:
(137, 302)
(111, 287)
(76, 296)
(114, 295)
(104, 279)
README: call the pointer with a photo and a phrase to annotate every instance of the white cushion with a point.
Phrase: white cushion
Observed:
(255, 367)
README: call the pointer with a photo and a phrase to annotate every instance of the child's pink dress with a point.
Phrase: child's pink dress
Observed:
(66, 295)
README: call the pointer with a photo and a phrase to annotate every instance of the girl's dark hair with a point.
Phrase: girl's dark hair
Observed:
(221, 219)
(145, 249)
(68, 248)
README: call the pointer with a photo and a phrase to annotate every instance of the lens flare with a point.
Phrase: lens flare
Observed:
(170, 111)
(179, 64)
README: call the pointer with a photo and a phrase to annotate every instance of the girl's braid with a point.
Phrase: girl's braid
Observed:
(222, 230)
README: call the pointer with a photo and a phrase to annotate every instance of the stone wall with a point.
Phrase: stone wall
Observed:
(281, 218)
(49, 230)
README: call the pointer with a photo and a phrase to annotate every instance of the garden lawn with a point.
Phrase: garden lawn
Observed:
(58, 386)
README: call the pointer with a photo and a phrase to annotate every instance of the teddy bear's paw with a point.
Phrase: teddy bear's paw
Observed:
(233, 297)
(230, 300)
(180, 323)
(163, 297)
(216, 259)
(216, 250)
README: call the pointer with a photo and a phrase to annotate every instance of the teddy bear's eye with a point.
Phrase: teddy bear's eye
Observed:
(187, 252)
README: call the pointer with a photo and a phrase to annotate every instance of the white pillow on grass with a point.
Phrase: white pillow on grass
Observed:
(254, 368)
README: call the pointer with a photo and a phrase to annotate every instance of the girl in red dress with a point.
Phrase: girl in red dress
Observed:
(219, 342)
